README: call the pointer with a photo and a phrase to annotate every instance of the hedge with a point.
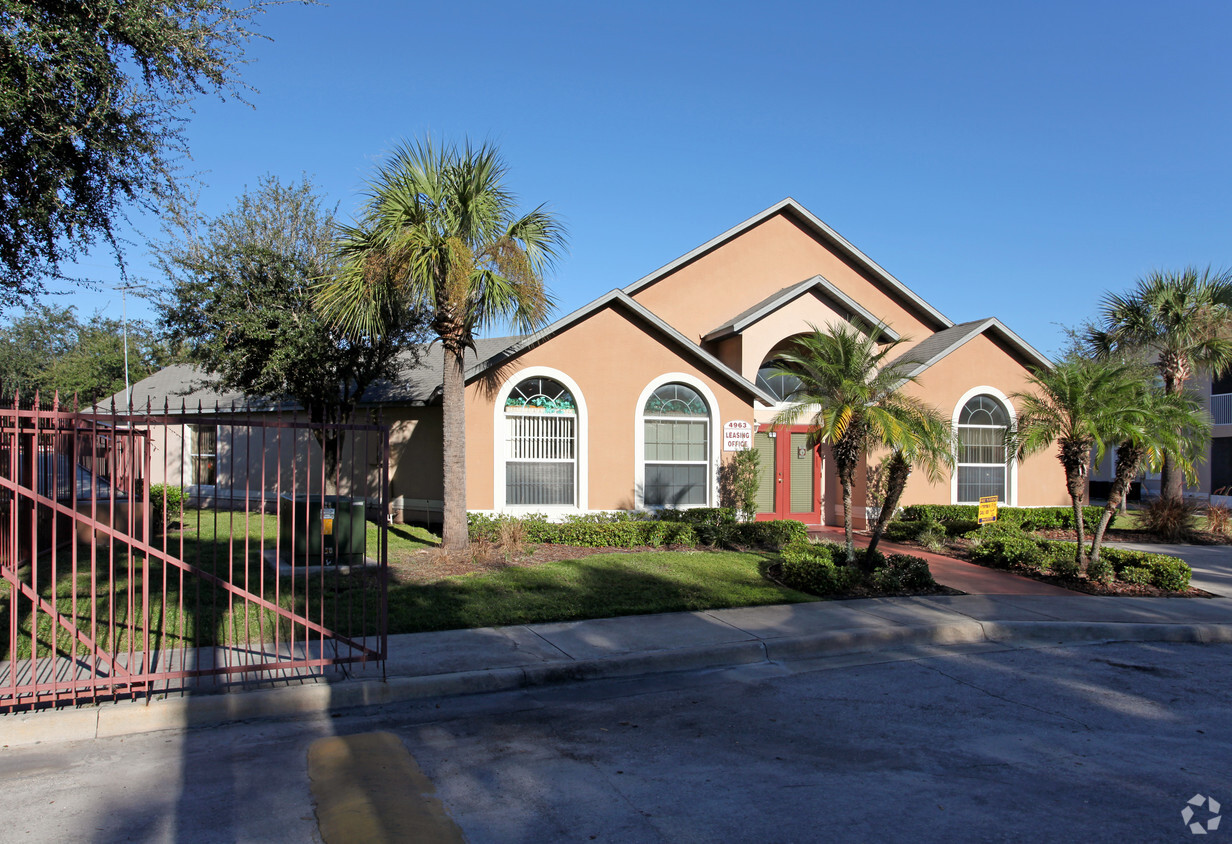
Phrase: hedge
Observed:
(628, 530)
(1028, 518)
(1008, 547)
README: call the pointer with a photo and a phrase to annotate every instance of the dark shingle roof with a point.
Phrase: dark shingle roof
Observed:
(190, 385)
(936, 346)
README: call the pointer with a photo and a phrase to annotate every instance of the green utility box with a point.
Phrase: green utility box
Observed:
(317, 528)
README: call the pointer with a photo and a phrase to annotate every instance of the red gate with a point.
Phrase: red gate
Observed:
(155, 553)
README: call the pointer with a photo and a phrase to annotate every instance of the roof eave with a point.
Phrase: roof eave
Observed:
(619, 297)
(818, 225)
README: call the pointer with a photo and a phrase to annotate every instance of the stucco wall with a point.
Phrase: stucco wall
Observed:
(777, 253)
(612, 357)
(792, 320)
(252, 458)
(982, 362)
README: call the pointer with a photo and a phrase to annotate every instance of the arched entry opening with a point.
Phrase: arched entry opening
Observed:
(789, 466)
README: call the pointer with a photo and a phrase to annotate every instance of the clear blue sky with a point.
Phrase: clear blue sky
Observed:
(1001, 159)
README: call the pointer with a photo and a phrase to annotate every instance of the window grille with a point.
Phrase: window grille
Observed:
(676, 448)
(203, 453)
(540, 444)
(982, 457)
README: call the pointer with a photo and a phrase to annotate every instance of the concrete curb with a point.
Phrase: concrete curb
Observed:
(135, 717)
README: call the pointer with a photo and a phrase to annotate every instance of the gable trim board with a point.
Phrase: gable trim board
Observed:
(790, 206)
(933, 349)
(621, 299)
(788, 295)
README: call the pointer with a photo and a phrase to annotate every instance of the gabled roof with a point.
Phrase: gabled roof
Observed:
(818, 284)
(184, 385)
(932, 349)
(618, 298)
(819, 228)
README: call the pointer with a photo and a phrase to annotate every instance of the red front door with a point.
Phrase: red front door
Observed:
(790, 475)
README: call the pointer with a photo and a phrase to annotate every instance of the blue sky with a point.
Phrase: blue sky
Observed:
(1001, 159)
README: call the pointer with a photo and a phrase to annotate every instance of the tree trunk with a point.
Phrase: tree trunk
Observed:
(1129, 458)
(896, 481)
(453, 411)
(847, 450)
(1171, 479)
(847, 532)
(1074, 481)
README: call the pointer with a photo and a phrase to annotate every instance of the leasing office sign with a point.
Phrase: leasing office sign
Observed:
(737, 436)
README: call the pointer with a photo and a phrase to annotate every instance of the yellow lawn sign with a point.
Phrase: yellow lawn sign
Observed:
(988, 509)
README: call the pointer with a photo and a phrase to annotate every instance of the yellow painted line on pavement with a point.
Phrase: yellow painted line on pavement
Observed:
(367, 788)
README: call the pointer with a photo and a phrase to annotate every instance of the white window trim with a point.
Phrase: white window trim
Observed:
(1011, 468)
(187, 456)
(500, 452)
(712, 445)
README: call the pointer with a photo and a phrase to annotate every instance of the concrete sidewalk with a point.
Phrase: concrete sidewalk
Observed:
(427, 665)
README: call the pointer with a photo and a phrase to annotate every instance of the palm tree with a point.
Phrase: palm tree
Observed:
(1080, 405)
(1158, 423)
(850, 392)
(439, 230)
(930, 446)
(1185, 321)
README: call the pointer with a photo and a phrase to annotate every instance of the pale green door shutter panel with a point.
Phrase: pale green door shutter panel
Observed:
(802, 496)
(763, 444)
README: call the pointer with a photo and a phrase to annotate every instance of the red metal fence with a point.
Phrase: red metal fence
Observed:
(272, 568)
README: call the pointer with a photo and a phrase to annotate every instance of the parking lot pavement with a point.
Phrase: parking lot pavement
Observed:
(1097, 743)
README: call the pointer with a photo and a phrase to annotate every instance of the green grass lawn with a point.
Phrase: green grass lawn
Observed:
(187, 610)
(598, 586)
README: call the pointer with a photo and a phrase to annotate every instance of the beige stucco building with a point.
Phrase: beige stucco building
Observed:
(629, 402)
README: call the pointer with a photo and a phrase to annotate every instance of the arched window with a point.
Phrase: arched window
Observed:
(540, 444)
(982, 424)
(781, 386)
(677, 448)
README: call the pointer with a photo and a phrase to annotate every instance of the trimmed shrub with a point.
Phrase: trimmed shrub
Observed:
(902, 531)
(812, 568)
(922, 531)
(1028, 518)
(699, 516)
(1065, 567)
(165, 498)
(772, 535)
(1140, 575)
(902, 572)
(1173, 576)
(1101, 570)
(862, 559)
(586, 531)
(1169, 573)
(1006, 547)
